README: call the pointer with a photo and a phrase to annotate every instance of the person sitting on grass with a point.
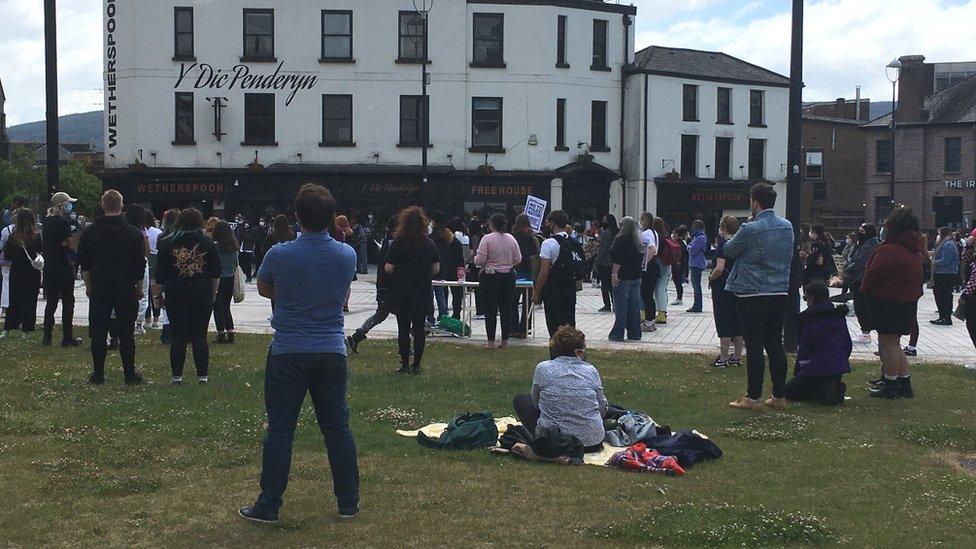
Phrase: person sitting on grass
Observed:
(824, 349)
(567, 393)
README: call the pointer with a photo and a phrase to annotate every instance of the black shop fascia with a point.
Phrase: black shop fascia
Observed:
(681, 201)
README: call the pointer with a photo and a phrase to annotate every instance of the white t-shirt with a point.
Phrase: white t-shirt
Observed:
(153, 234)
(648, 239)
(4, 235)
(550, 248)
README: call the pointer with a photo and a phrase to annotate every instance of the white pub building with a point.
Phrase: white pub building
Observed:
(231, 105)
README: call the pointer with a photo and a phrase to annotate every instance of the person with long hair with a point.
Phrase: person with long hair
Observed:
(498, 254)
(22, 248)
(893, 285)
(867, 241)
(383, 290)
(210, 224)
(819, 262)
(187, 273)
(661, 287)
(625, 277)
(227, 250)
(650, 270)
(451, 255)
(529, 247)
(697, 262)
(135, 215)
(679, 272)
(723, 301)
(412, 261)
(945, 275)
(608, 232)
(342, 232)
(280, 232)
(59, 234)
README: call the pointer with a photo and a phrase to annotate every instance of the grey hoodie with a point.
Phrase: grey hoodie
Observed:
(857, 261)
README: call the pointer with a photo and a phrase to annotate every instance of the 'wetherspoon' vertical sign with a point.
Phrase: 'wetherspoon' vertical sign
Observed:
(111, 97)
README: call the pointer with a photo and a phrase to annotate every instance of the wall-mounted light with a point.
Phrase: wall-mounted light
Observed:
(220, 160)
(153, 155)
(237, 183)
(299, 155)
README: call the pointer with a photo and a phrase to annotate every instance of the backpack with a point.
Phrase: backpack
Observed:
(571, 262)
(467, 431)
(670, 252)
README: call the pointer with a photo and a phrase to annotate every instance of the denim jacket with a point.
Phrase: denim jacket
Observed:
(763, 251)
(946, 260)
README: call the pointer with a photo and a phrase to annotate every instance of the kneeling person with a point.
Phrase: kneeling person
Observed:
(824, 349)
(567, 393)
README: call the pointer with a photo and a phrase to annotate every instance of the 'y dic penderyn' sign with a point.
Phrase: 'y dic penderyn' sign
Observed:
(205, 76)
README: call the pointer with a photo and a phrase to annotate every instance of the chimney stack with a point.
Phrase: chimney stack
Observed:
(916, 81)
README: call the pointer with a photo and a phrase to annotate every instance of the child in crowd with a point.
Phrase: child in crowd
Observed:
(824, 349)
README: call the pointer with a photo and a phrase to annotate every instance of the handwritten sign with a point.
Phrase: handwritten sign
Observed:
(535, 209)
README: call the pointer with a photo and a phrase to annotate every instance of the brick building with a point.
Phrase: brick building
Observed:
(833, 164)
(4, 142)
(933, 168)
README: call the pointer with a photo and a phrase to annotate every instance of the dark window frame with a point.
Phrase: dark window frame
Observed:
(759, 173)
(499, 147)
(183, 139)
(423, 119)
(597, 126)
(561, 23)
(561, 125)
(757, 120)
(485, 63)
(258, 58)
(956, 163)
(686, 101)
(250, 119)
(819, 189)
(883, 161)
(177, 54)
(601, 61)
(326, 140)
(419, 58)
(689, 160)
(727, 118)
(332, 59)
(727, 173)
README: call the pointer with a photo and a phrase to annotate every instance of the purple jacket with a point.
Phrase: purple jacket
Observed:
(825, 344)
(696, 251)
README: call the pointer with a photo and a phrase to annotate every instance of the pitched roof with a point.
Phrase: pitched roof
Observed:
(704, 65)
(953, 105)
(3, 96)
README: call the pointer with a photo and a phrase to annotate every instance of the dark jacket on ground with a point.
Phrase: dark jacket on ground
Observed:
(188, 264)
(113, 253)
(825, 343)
(894, 272)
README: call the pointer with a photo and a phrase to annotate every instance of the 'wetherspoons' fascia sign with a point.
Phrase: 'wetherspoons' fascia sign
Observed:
(204, 76)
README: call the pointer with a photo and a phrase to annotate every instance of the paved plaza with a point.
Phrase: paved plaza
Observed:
(684, 332)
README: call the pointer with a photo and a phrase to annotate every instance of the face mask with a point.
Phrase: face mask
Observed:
(68, 207)
(261, 224)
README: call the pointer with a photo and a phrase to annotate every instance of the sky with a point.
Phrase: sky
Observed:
(847, 42)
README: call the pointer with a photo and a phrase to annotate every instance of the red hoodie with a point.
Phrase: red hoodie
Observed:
(894, 271)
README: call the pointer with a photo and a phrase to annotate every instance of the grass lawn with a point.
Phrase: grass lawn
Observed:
(158, 465)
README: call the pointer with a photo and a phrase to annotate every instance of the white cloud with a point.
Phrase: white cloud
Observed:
(847, 42)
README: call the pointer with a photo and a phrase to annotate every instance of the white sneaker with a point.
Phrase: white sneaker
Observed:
(677, 302)
(970, 366)
(140, 330)
(5, 333)
(864, 338)
(648, 327)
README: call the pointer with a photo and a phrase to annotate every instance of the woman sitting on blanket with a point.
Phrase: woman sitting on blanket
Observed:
(567, 393)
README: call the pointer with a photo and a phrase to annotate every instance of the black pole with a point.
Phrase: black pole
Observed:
(891, 190)
(426, 107)
(51, 86)
(794, 186)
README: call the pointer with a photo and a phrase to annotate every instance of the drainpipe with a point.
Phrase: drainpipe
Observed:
(644, 127)
(623, 97)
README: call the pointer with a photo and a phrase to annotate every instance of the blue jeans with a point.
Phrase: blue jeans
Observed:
(440, 295)
(286, 381)
(627, 310)
(661, 288)
(696, 275)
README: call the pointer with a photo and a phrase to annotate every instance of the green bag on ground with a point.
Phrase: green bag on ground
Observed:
(453, 325)
(468, 430)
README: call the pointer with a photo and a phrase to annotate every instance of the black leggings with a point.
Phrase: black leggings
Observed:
(411, 325)
(862, 308)
(497, 291)
(60, 286)
(678, 276)
(188, 324)
(221, 309)
(648, 282)
(606, 285)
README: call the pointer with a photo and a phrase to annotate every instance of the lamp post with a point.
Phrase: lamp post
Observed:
(423, 7)
(794, 183)
(893, 72)
(51, 92)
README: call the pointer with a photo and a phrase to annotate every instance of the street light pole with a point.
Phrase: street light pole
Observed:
(893, 72)
(794, 184)
(51, 93)
(423, 7)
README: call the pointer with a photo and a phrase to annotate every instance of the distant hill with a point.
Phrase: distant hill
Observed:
(74, 128)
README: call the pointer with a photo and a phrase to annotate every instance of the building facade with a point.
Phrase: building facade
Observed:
(833, 164)
(931, 167)
(4, 141)
(702, 128)
(232, 105)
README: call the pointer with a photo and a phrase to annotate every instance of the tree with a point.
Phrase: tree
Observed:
(80, 184)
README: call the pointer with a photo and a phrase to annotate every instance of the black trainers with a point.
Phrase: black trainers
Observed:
(255, 514)
(346, 514)
(415, 370)
(93, 380)
(221, 338)
(354, 340)
(72, 342)
(942, 322)
(735, 362)
(46, 340)
(905, 387)
(230, 338)
(889, 389)
(134, 379)
(876, 382)
(604, 310)
(719, 363)
(910, 352)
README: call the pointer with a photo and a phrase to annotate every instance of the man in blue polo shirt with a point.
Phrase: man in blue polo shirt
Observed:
(308, 279)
